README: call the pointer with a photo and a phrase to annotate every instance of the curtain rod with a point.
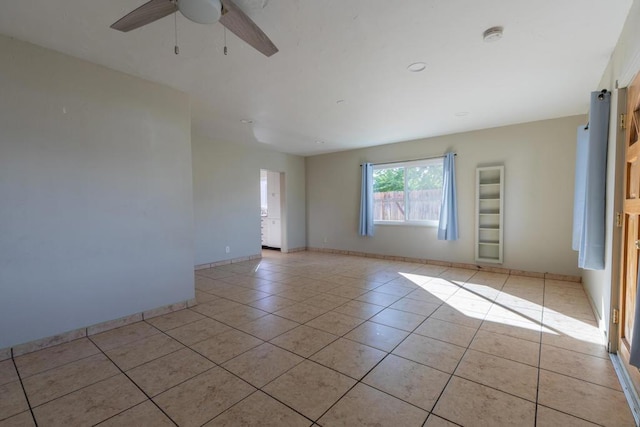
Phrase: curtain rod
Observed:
(410, 160)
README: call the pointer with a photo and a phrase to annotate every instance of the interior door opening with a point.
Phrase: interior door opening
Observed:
(271, 209)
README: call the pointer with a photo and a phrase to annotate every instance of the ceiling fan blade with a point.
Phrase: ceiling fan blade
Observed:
(242, 26)
(145, 14)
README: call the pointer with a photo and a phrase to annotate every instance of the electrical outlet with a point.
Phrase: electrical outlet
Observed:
(227, 249)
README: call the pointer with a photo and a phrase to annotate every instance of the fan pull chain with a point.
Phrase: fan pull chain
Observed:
(176, 49)
(225, 40)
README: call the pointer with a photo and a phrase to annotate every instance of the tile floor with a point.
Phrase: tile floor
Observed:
(316, 339)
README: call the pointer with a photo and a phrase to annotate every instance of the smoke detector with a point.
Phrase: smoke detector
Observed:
(493, 34)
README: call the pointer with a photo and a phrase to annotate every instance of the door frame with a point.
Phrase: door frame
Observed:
(617, 241)
(630, 375)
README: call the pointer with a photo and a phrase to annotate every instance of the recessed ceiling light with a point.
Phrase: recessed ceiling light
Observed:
(416, 67)
(462, 113)
(493, 34)
(246, 121)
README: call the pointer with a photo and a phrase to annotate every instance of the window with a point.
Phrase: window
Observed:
(408, 193)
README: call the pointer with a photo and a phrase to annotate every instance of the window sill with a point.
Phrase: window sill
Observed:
(429, 224)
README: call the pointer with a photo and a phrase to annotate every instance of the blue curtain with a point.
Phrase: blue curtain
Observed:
(590, 185)
(366, 201)
(448, 225)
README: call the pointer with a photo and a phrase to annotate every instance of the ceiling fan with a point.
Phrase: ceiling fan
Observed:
(202, 12)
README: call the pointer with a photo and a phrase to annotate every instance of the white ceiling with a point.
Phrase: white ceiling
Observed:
(552, 55)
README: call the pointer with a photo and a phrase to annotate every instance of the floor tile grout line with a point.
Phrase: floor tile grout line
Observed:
(15, 366)
(63, 364)
(544, 284)
(134, 383)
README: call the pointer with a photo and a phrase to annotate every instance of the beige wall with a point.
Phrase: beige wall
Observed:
(226, 183)
(539, 173)
(623, 66)
(95, 181)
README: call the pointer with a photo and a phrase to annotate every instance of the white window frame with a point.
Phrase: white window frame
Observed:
(393, 165)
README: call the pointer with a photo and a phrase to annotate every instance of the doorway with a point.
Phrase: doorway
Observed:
(271, 209)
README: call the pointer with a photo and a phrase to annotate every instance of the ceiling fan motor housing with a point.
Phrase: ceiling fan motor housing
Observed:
(201, 11)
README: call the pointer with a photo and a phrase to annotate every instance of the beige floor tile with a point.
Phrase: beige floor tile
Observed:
(161, 374)
(430, 352)
(262, 364)
(547, 417)
(520, 299)
(123, 335)
(200, 399)
(259, 409)
(268, 327)
(412, 382)
(226, 346)
(90, 405)
(310, 388)
(349, 357)
(507, 347)
(32, 363)
(586, 344)
(421, 308)
(203, 297)
(395, 290)
(470, 404)
(378, 336)
(579, 365)
(272, 303)
(466, 318)
(144, 414)
(240, 316)
(197, 331)
(398, 319)
(245, 296)
(366, 406)
(521, 314)
(526, 330)
(506, 375)
(216, 307)
(426, 296)
(65, 379)
(592, 402)
(446, 331)
(300, 312)
(7, 372)
(23, 419)
(335, 323)
(457, 274)
(315, 285)
(137, 353)
(469, 302)
(175, 319)
(359, 309)
(304, 340)
(436, 421)
(348, 292)
(378, 298)
(298, 294)
(326, 301)
(12, 400)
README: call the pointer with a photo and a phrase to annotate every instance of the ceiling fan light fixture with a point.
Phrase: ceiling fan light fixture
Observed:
(201, 11)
